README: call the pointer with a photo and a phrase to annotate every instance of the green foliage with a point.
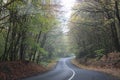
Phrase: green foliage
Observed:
(95, 30)
(15, 5)
(2, 42)
(25, 34)
(44, 63)
(100, 53)
(42, 50)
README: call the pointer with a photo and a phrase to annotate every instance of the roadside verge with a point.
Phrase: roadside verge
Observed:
(17, 70)
(114, 72)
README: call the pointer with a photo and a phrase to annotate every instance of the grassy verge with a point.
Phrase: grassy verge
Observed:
(112, 71)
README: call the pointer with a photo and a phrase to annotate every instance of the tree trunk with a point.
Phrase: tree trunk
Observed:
(114, 32)
(117, 10)
(115, 37)
(5, 55)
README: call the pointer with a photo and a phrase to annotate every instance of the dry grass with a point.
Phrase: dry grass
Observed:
(112, 71)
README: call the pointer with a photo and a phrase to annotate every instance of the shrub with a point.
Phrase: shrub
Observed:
(99, 53)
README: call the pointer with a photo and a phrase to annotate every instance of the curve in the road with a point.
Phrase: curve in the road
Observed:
(65, 70)
(70, 70)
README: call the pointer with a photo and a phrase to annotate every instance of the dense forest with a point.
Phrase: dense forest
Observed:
(29, 30)
(95, 28)
(33, 33)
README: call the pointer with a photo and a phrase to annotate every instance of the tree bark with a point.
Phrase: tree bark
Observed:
(117, 10)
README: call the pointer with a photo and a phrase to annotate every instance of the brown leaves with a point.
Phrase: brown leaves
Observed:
(19, 69)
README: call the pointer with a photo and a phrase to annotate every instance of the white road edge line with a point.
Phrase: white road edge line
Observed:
(71, 70)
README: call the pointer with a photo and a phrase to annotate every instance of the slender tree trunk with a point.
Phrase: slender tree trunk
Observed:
(117, 10)
(114, 32)
(44, 40)
(115, 37)
(5, 55)
(22, 48)
(38, 38)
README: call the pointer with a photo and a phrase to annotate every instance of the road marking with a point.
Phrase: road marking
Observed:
(71, 70)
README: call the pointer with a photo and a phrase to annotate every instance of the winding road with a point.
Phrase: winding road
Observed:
(65, 70)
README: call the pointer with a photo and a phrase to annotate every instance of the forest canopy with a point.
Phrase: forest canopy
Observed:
(28, 30)
(31, 29)
(95, 27)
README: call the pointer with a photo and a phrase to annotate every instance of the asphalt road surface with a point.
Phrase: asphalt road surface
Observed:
(65, 70)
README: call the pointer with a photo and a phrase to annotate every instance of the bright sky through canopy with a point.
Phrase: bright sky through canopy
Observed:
(67, 6)
(5, 1)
